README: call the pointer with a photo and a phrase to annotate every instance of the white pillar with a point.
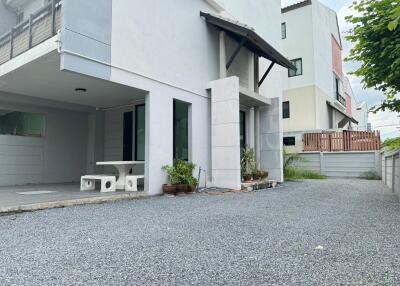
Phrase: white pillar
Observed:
(250, 72)
(222, 55)
(257, 131)
(159, 132)
(256, 73)
(225, 138)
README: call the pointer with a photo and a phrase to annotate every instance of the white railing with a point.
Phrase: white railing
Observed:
(40, 26)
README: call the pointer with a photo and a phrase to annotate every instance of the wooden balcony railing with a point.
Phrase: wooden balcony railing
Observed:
(40, 26)
(342, 141)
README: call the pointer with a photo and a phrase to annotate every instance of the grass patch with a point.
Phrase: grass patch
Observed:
(295, 174)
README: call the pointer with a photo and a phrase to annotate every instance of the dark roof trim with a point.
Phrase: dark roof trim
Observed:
(254, 42)
(296, 6)
(341, 111)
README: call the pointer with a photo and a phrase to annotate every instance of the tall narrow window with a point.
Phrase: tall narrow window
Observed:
(283, 27)
(286, 109)
(298, 63)
(242, 129)
(181, 130)
(140, 125)
(128, 136)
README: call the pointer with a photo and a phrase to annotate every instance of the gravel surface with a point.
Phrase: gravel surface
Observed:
(333, 232)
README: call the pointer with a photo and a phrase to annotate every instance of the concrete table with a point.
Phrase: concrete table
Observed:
(123, 168)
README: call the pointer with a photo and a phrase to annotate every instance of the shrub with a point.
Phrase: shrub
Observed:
(370, 175)
(181, 172)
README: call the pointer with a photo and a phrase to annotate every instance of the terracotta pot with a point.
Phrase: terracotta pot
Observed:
(169, 189)
(247, 177)
(191, 189)
(264, 175)
(180, 188)
(256, 176)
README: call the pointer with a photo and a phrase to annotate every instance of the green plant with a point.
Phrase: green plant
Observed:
(375, 34)
(290, 159)
(173, 176)
(370, 175)
(295, 174)
(181, 172)
(247, 160)
(392, 143)
(192, 181)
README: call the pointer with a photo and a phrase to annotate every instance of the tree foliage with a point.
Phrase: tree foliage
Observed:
(376, 35)
(392, 143)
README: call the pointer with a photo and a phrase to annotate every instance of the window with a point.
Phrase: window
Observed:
(298, 63)
(283, 30)
(286, 109)
(289, 141)
(20, 17)
(339, 97)
(242, 130)
(140, 132)
(181, 130)
(21, 123)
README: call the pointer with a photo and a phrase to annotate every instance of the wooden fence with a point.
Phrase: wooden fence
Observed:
(342, 141)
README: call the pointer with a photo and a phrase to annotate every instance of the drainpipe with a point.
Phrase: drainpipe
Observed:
(222, 55)
(256, 73)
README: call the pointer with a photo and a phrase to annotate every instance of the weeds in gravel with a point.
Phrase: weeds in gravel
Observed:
(295, 174)
(371, 175)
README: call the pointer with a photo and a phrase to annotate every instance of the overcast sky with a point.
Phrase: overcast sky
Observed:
(387, 122)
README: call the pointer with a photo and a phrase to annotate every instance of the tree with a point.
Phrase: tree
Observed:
(376, 35)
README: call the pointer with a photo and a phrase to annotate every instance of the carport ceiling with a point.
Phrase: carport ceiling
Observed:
(43, 79)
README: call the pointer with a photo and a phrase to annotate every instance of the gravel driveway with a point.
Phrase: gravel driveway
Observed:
(333, 232)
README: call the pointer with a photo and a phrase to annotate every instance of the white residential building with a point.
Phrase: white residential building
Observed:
(315, 98)
(88, 81)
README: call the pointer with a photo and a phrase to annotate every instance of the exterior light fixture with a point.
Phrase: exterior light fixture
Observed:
(80, 90)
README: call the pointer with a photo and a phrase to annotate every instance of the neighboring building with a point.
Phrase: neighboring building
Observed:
(87, 81)
(315, 97)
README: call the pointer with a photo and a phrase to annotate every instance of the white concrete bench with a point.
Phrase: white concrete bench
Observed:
(108, 183)
(131, 182)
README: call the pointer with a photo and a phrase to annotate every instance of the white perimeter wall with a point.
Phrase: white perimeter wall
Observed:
(59, 157)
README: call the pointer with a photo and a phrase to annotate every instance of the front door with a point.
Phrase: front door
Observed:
(128, 136)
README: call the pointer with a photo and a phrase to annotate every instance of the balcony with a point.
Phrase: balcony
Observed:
(40, 26)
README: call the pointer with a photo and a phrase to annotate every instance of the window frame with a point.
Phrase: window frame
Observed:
(294, 63)
(174, 130)
(136, 131)
(283, 113)
(283, 31)
(243, 113)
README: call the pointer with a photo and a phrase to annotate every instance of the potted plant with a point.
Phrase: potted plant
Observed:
(173, 179)
(247, 163)
(192, 184)
(264, 174)
(180, 175)
(257, 174)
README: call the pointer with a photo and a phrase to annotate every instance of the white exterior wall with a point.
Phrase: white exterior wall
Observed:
(59, 157)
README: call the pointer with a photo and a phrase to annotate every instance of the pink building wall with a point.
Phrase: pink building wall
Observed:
(337, 57)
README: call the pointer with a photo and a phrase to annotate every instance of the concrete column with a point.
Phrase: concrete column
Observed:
(250, 72)
(95, 148)
(225, 134)
(251, 138)
(159, 132)
(256, 73)
(271, 133)
(257, 135)
(222, 54)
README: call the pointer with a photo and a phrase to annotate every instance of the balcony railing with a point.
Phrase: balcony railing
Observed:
(40, 26)
(341, 99)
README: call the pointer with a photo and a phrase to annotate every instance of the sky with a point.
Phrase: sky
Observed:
(387, 122)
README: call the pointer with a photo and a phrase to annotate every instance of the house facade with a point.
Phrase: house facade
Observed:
(139, 80)
(317, 96)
